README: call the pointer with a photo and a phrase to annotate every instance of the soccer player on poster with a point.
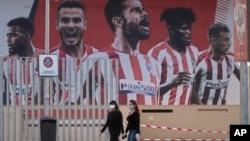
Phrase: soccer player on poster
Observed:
(139, 74)
(240, 20)
(71, 24)
(20, 66)
(215, 66)
(177, 56)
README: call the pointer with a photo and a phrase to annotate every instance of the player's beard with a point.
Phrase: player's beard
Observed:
(12, 51)
(135, 32)
(179, 40)
(17, 49)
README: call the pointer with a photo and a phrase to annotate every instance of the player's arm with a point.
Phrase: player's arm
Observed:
(165, 88)
(4, 90)
(194, 93)
(181, 78)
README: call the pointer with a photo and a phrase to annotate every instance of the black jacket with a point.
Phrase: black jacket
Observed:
(133, 122)
(114, 122)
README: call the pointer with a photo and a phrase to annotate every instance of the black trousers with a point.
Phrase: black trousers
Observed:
(114, 136)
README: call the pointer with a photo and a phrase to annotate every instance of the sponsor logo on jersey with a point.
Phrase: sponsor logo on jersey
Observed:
(139, 87)
(217, 84)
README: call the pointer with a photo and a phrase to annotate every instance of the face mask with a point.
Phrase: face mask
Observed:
(130, 107)
(112, 106)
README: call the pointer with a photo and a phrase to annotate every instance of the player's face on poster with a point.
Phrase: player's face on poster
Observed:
(71, 24)
(16, 40)
(181, 34)
(222, 43)
(135, 20)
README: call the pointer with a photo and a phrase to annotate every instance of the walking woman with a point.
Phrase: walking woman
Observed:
(133, 119)
(114, 122)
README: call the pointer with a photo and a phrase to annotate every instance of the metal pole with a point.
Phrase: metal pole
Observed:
(1, 100)
(244, 92)
(46, 79)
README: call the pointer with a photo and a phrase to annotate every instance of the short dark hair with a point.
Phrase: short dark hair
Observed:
(216, 28)
(26, 26)
(178, 15)
(71, 4)
(112, 9)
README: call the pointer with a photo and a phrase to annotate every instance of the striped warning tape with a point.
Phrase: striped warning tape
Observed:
(183, 129)
(181, 139)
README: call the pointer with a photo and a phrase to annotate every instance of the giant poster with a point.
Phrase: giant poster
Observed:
(168, 82)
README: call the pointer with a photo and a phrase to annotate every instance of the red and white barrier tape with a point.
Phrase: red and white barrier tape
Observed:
(182, 139)
(181, 129)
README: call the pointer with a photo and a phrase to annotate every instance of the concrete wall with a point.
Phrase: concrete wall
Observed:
(210, 120)
(204, 118)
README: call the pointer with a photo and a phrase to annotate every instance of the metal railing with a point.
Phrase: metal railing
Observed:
(76, 100)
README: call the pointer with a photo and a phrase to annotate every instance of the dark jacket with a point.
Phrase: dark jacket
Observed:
(114, 122)
(133, 122)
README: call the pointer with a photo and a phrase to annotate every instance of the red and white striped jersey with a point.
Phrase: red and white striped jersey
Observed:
(214, 80)
(172, 62)
(21, 78)
(66, 87)
(138, 76)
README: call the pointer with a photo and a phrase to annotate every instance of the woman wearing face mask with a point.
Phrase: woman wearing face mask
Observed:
(114, 122)
(133, 119)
